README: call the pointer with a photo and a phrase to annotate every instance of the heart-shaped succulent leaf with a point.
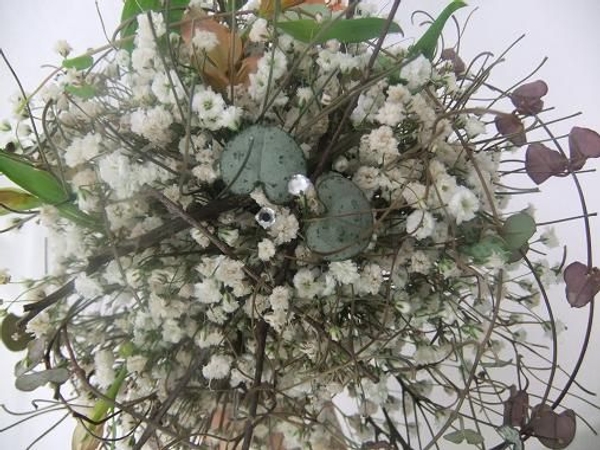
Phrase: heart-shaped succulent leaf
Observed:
(486, 248)
(517, 230)
(511, 127)
(542, 163)
(346, 228)
(582, 284)
(583, 144)
(13, 337)
(554, 431)
(262, 155)
(34, 380)
(528, 97)
(516, 408)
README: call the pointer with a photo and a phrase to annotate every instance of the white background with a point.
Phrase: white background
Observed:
(565, 31)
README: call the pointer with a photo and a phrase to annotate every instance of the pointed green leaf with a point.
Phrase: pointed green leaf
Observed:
(103, 406)
(455, 437)
(45, 186)
(38, 182)
(32, 381)
(79, 62)
(426, 45)
(346, 31)
(71, 212)
(17, 200)
(517, 230)
(83, 91)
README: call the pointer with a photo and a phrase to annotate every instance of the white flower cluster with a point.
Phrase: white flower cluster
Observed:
(181, 267)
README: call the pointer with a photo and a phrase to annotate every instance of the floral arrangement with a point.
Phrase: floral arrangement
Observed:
(273, 226)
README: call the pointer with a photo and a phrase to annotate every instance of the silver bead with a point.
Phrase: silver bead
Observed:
(265, 217)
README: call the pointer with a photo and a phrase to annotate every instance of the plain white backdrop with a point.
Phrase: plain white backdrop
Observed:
(566, 32)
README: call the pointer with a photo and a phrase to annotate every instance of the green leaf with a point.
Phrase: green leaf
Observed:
(473, 437)
(13, 337)
(517, 230)
(132, 8)
(17, 200)
(71, 212)
(45, 186)
(262, 155)
(346, 228)
(38, 182)
(346, 30)
(456, 437)
(79, 62)
(487, 247)
(83, 91)
(512, 436)
(32, 381)
(426, 45)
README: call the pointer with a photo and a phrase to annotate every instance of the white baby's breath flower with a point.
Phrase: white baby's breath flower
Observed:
(63, 48)
(103, 368)
(4, 276)
(474, 127)
(417, 72)
(345, 272)
(153, 124)
(463, 204)
(266, 249)
(259, 31)
(218, 367)
(208, 291)
(204, 40)
(420, 224)
(549, 238)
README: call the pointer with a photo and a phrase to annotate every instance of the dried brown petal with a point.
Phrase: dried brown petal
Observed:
(583, 144)
(510, 126)
(542, 163)
(582, 284)
(217, 66)
(527, 98)
(555, 431)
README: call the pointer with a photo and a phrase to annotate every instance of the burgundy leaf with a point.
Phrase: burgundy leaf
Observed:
(512, 128)
(542, 163)
(555, 431)
(515, 408)
(583, 144)
(448, 54)
(582, 284)
(527, 98)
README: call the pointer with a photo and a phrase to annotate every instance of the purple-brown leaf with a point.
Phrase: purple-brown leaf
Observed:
(512, 128)
(582, 284)
(516, 408)
(555, 431)
(542, 163)
(528, 97)
(448, 54)
(583, 144)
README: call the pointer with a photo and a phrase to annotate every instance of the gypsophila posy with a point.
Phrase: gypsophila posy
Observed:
(355, 244)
